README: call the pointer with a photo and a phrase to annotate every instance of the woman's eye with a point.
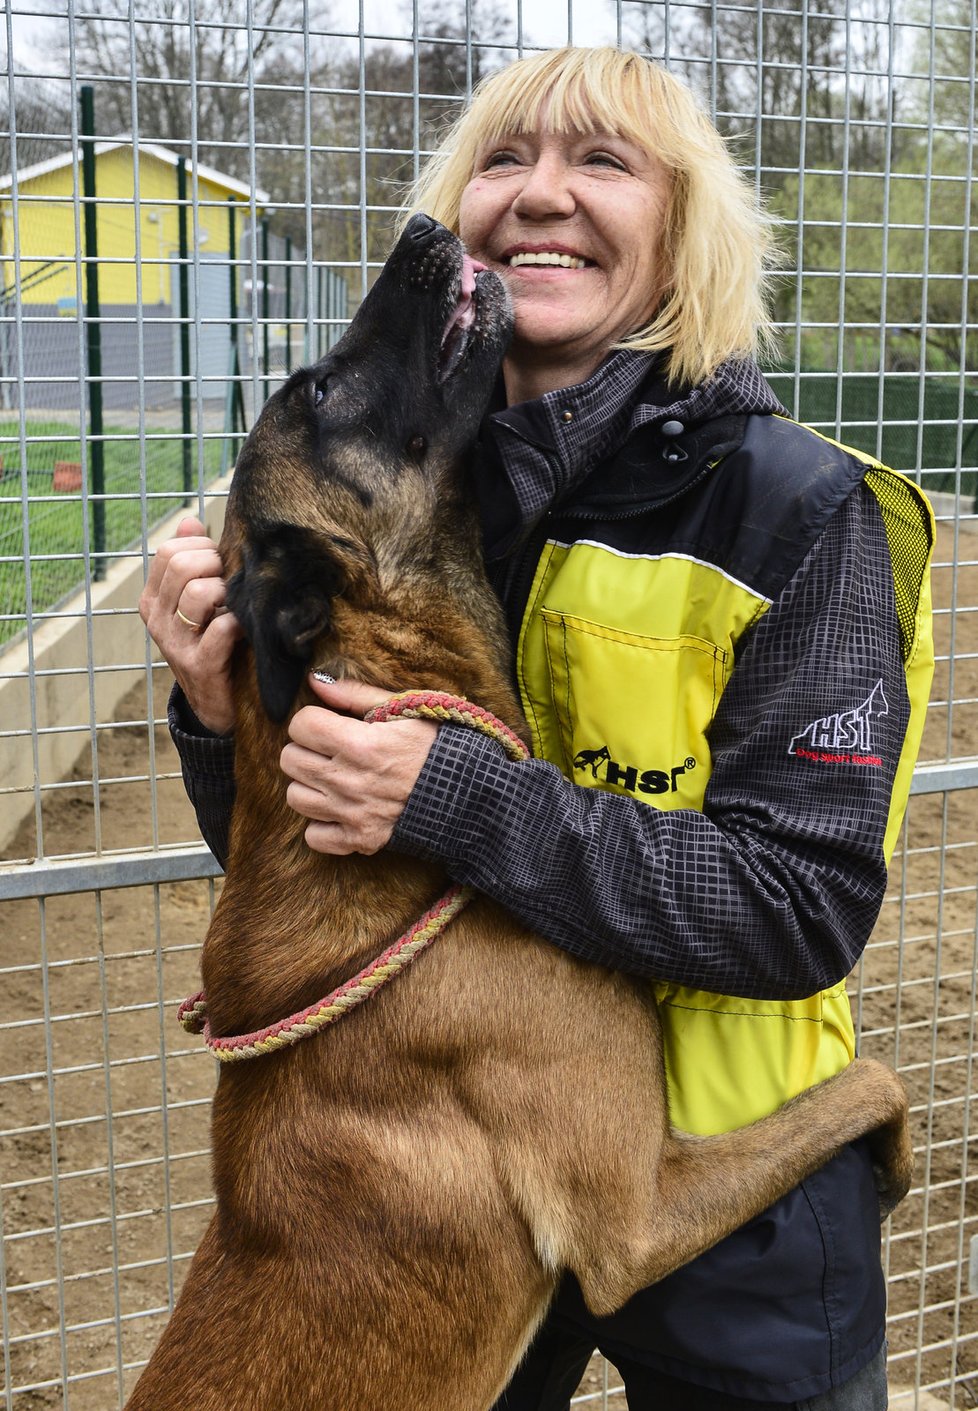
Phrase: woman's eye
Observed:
(500, 159)
(605, 159)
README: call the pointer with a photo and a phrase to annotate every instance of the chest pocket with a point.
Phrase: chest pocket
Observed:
(622, 660)
(629, 711)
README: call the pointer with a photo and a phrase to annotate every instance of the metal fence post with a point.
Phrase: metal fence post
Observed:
(320, 314)
(234, 411)
(93, 333)
(266, 380)
(184, 286)
(288, 303)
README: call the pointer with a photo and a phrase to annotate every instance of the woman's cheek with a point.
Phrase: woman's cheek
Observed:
(475, 220)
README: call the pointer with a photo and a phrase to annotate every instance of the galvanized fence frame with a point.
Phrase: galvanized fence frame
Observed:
(857, 119)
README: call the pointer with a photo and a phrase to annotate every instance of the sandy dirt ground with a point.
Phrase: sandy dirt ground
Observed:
(100, 1216)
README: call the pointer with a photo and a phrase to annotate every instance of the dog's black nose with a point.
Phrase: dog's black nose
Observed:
(419, 227)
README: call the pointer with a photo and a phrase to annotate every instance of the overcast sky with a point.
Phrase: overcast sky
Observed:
(545, 22)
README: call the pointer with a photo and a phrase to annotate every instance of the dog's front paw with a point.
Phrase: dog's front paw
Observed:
(893, 1164)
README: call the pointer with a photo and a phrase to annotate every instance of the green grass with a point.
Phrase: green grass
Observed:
(56, 537)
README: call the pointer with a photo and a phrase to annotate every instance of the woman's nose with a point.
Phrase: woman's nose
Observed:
(547, 190)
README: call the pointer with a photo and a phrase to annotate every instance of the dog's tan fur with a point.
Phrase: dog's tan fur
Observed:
(397, 1197)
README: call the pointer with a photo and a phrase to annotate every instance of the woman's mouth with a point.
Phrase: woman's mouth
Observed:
(546, 257)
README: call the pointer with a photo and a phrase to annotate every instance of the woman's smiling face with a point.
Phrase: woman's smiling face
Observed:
(573, 223)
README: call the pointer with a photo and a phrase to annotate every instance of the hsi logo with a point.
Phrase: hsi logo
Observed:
(843, 738)
(629, 776)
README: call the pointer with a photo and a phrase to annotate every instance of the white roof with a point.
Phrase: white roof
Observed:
(148, 149)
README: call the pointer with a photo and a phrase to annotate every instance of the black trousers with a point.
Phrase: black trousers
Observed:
(552, 1369)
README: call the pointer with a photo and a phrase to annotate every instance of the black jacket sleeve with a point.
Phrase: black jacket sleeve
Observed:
(772, 890)
(207, 762)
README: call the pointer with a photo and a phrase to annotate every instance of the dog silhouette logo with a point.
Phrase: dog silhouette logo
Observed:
(590, 759)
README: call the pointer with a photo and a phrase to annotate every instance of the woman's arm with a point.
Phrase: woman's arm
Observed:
(772, 890)
(207, 762)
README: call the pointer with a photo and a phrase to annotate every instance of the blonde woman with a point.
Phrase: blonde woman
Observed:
(723, 657)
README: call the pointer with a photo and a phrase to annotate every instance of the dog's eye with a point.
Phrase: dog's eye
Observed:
(416, 447)
(319, 393)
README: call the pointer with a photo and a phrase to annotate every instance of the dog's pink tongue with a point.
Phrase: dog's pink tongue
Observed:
(470, 268)
(464, 315)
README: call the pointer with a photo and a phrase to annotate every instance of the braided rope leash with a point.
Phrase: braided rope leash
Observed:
(192, 1014)
(306, 1022)
(437, 705)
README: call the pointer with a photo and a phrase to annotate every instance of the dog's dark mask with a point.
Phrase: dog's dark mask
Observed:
(352, 458)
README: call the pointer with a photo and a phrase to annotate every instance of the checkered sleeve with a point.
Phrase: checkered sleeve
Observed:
(770, 891)
(207, 762)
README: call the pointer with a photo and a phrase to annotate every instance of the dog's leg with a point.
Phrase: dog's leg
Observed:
(707, 1187)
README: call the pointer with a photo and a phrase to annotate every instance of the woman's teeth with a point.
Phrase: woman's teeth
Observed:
(546, 258)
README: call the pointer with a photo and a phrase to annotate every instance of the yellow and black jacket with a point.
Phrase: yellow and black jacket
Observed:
(628, 644)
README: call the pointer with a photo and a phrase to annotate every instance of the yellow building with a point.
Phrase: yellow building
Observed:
(49, 194)
(138, 267)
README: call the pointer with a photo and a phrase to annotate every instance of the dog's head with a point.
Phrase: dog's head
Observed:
(354, 469)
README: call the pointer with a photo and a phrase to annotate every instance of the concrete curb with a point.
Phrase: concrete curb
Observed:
(65, 699)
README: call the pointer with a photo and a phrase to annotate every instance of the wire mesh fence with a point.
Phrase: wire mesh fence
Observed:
(246, 303)
(232, 186)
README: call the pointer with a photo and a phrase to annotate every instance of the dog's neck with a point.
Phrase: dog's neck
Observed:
(291, 922)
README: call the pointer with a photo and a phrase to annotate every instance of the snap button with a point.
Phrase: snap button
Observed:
(672, 428)
(567, 416)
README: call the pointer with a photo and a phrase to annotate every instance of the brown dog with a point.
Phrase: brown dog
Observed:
(397, 1198)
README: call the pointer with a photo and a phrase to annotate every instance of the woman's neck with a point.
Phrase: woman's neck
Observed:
(535, 375)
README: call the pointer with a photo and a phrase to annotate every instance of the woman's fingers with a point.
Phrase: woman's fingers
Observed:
(350, 779)
(184, 608)
(200, 600)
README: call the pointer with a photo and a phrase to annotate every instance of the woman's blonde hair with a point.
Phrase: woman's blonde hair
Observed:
(716, 239)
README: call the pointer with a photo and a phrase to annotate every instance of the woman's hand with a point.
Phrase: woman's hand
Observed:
(183, 607)
(351, 779)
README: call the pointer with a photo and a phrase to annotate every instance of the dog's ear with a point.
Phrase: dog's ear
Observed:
(282, 596)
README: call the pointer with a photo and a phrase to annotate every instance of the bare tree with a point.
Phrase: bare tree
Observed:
(443, 59)
(763, 68)
(251, 92)
(41, 114)
(216, 76)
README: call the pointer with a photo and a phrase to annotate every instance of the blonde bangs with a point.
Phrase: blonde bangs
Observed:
(715, 238)
(566, 90)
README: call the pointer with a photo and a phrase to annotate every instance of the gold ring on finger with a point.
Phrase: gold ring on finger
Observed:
(189, 622)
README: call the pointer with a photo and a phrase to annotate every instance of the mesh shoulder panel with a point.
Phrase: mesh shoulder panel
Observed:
(909, 532)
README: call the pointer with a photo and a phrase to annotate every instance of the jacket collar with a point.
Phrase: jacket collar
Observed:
(617, 443)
